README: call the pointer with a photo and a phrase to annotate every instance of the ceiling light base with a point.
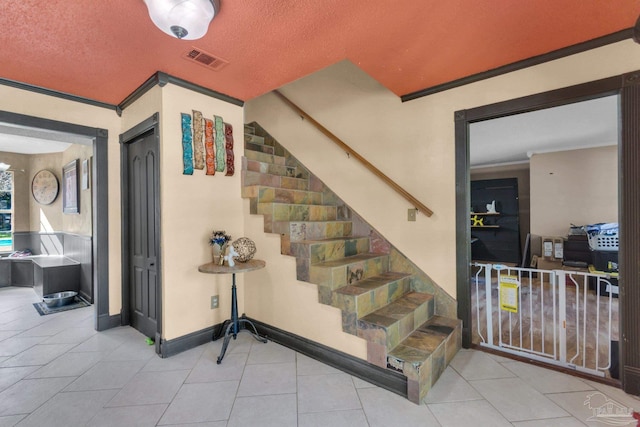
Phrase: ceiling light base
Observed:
(183, 19)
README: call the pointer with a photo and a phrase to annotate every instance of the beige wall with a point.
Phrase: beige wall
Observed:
(32, 216)
(193, 206)
(573, 187)
(21, 188)
(413, 143)
(46, 218)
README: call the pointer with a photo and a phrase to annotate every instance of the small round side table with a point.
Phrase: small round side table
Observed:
(233, 327)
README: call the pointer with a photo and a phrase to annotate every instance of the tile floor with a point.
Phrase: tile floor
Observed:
(57, 371)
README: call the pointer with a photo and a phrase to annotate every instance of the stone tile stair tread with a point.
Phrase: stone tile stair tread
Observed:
(273, 174)
(253, 138)
(398, 309)
(269, 187)
(409, 354)
(419, 345)
(256, 146)
(370, 283)
(331, 221)
(283, 226)
(275, 203)
(281, 195)
(348, 260)
(329, 239)
(259, 156)
(249, 154)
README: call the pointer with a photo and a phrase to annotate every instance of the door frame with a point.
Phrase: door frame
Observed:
(627, 87)
(100, 201)
(151, 124)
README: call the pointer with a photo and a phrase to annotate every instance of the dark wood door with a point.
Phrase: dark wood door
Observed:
(143, 277)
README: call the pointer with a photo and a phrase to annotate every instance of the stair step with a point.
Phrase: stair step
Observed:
(270, 168)
(425, 353)
(297, 231)
(389, 325)
(264, 158)
(368, 295)
(269, 180)
(263, 194)
(252, 146)
(329, 249)
(345, 271)
(313, 230)
(255, 139)
(293, 212)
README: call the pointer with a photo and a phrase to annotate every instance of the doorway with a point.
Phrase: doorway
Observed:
(140, 168)
(99, 201)
(629, 206)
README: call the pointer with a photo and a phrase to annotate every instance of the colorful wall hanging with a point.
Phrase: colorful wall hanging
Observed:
(187, 149)
(220, 150)
(228, 141)
(198, 148)
(208, 146)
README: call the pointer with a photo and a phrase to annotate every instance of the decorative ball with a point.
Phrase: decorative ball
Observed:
(245, 249)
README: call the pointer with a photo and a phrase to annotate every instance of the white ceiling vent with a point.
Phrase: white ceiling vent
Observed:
(205, 59)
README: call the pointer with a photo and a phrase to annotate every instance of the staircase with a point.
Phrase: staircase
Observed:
(405, 319)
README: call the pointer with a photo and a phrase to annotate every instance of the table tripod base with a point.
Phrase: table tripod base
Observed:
(229, 333)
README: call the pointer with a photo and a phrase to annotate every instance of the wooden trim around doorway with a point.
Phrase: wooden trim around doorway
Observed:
(627, 86)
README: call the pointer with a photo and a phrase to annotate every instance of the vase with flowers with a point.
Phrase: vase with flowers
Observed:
(218, 242)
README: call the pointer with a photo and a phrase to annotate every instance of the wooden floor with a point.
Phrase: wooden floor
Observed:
(533, 327)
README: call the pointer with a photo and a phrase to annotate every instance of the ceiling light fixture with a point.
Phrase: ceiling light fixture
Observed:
(184, 19)
(4, 167)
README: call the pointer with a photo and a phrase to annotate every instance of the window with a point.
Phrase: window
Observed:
(6, 211)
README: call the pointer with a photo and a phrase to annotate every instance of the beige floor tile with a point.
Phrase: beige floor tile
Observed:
(546, 380)
(516, 400)
(265, 411)
(352, 418)
(582, 405)
(329, 392)
(268, 378)
(460, 414)
(555, 422)
(385, 409)
(476, 365)
(451, 387)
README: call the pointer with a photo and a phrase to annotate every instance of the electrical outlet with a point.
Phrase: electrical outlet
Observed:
(214, 301)
(411, 214)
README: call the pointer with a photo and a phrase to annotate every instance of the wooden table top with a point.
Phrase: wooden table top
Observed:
(239, 267)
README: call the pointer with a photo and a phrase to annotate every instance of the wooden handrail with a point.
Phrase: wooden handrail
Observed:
(404, 193)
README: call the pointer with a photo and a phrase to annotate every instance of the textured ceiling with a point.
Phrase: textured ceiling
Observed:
(104, 50)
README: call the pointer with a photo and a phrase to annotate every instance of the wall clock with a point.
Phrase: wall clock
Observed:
(44, 187)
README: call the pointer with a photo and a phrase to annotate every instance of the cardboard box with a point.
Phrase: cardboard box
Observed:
(547, 248)
(558, 248)
(545, 264)
(553, 248)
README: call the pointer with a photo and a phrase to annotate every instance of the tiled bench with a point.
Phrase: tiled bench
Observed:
(45, 273)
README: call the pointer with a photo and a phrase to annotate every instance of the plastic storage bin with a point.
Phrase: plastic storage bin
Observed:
(603, 237)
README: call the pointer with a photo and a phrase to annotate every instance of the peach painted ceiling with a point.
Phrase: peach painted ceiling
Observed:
(104, 49)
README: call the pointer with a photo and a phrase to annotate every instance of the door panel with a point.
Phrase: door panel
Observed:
(142, 165)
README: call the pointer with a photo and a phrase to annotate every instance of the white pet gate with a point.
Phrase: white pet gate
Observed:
(559, 317)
